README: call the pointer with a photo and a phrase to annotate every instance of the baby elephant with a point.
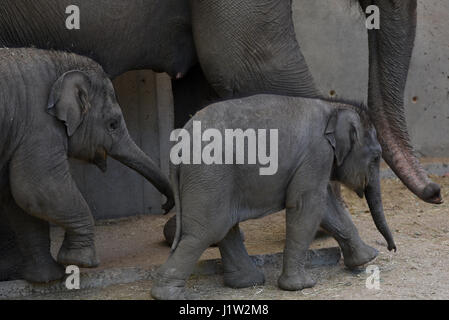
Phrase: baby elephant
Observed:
(318, 141)
(54, 106)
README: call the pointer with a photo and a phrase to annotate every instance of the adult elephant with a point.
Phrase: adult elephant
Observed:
(255, 61)
(243, 47)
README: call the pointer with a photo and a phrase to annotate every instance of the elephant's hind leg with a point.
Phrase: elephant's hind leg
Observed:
(43, 186)
(10, 256)
(32, 253)
(199, 231)
(239, 270)
(172, 275)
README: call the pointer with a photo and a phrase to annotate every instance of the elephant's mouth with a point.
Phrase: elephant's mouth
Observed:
(360, 192)
(101, 159)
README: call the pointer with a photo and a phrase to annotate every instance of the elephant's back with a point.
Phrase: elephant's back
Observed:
(263, 111)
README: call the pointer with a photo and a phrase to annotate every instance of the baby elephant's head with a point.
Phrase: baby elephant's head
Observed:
(357, 160)
(86, 103)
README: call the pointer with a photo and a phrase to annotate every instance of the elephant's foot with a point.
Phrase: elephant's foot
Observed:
(42, 272)
(244, 278)
(359, 255)
(10, 265)
(295, 282)
(82, 257)
(168, 289)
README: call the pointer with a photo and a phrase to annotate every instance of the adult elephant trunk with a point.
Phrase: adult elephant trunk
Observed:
(373, 197)
(128, 153)
(390, 52)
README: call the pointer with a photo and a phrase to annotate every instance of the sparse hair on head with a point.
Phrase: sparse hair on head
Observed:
(356, 106)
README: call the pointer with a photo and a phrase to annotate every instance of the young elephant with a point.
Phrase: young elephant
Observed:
(53, 106)
(318, 141)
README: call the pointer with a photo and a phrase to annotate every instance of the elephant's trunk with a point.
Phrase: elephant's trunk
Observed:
(374, 199)
(400, 157)
(128, 153)
(390, 52)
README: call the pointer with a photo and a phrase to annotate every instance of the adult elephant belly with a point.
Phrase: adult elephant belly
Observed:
(120, 35)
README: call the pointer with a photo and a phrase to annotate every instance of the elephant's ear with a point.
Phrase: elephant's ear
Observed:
(343, 131)
(69, 99)
(330, 130)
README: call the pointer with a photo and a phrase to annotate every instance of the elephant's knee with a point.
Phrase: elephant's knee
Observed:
(28, 201)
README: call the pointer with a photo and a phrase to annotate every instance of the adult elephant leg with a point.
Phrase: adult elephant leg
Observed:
(250, 47)
(391, 49)
(337, 222)
(30, 246)
(10, 255)
(191, 94)
(239, 270)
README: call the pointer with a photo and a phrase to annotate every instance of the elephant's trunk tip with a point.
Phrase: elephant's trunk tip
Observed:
(392, 246)
(432, 193)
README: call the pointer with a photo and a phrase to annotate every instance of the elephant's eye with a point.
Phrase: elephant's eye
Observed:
(376, 159)
(113, 125)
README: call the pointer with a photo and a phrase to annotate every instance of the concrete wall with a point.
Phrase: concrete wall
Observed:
(147, 103)
(333, 38)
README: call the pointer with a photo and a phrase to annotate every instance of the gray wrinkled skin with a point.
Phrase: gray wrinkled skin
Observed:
(53, 106)
(243, 47)
(318, 141)
(119, 35)
(226, 36)
(250, 47)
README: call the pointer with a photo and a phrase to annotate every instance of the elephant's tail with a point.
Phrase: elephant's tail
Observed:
(174, 176)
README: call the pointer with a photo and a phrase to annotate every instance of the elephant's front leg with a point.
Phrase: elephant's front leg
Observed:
(338, 223)
(304, 214)
(44, 188)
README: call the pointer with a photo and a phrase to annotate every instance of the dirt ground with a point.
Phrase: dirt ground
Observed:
(419, 270)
